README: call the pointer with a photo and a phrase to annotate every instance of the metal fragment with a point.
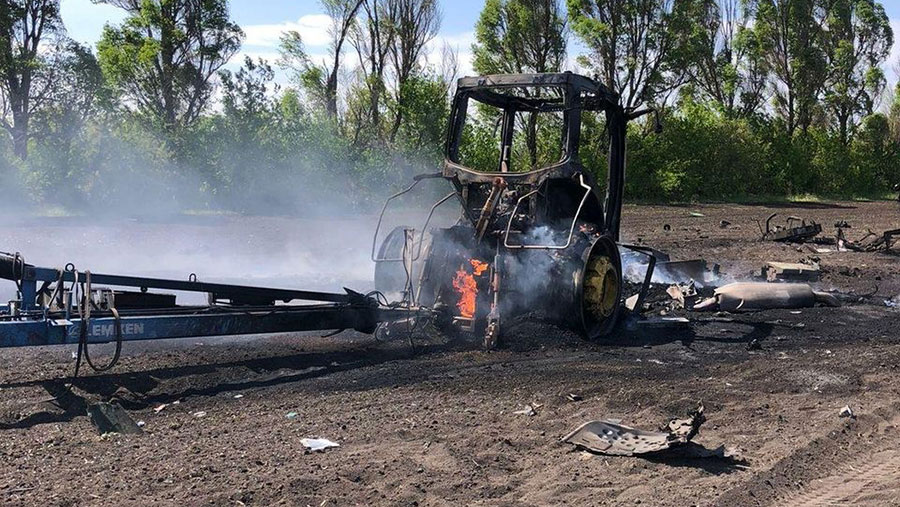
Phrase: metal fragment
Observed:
(611, 438)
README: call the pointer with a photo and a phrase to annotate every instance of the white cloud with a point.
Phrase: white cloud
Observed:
(313, 29)
(84, 19)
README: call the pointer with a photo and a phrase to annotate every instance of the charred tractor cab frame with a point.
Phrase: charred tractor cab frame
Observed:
(543, 240)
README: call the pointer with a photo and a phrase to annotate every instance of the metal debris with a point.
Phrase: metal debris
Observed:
(872, 242)
(795, 230)
(788, 271)
(112, 418)
(530, 410)
(847, 412)
(318, 444)
(613, 439)
(685, 296)
(749, 296)
(631, 302)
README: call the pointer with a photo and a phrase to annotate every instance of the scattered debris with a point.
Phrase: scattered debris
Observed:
(112, 418)
(573, 397)
(318, 444)
(141, 424)
(872, 242)
(697, 214)
(724, 224)
(201, 413)
(614, 439)
(291, 415)
(530, 410)
(238, 396)
(686, 296)
(795, 230)
(749, 296)
(160, 408)
(754, 345)
(792, 272)
(631, 302)
(847, 412)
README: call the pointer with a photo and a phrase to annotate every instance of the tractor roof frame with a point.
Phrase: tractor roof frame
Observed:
(579, 93)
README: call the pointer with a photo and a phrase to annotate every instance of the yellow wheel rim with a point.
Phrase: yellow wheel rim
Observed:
(601, 287)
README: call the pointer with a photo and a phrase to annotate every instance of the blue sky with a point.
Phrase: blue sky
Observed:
(264, 20)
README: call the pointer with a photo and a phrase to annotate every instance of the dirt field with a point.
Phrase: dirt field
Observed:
(436, 426)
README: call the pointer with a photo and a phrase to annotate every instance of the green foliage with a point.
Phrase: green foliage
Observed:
(634, 46)
(700, 155)
(132, 128)
(163, 56)
(704, 155)
(519, 36)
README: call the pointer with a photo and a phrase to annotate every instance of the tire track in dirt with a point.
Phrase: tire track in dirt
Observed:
(870, 479)
(856, 463)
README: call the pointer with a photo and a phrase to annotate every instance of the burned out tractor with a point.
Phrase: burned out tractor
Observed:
(536, 233)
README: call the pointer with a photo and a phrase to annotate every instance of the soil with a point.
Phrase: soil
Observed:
(436, 423)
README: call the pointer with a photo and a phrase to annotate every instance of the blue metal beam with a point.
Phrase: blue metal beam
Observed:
(20, 333)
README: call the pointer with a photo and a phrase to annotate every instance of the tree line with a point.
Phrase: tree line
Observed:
(760, 98)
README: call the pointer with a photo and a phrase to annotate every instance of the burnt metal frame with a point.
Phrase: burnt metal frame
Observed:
(579, 93)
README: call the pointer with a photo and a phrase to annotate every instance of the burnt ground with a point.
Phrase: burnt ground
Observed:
(436, 425)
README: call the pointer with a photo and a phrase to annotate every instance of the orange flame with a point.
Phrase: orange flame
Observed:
(465, 284)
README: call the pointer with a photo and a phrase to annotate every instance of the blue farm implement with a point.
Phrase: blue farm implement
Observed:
(67, 306)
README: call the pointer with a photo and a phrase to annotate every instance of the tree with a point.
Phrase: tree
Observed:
(859, 38)
(25, 25)
(516, 36)
(320, 81)
(306, 76)
(245, 93)
(894, 113)
(77, 96)
(632, 45)
(792, 33)
(724, 58)
(521, 36)
(165, 54)
(373, 39)
(415, 23)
